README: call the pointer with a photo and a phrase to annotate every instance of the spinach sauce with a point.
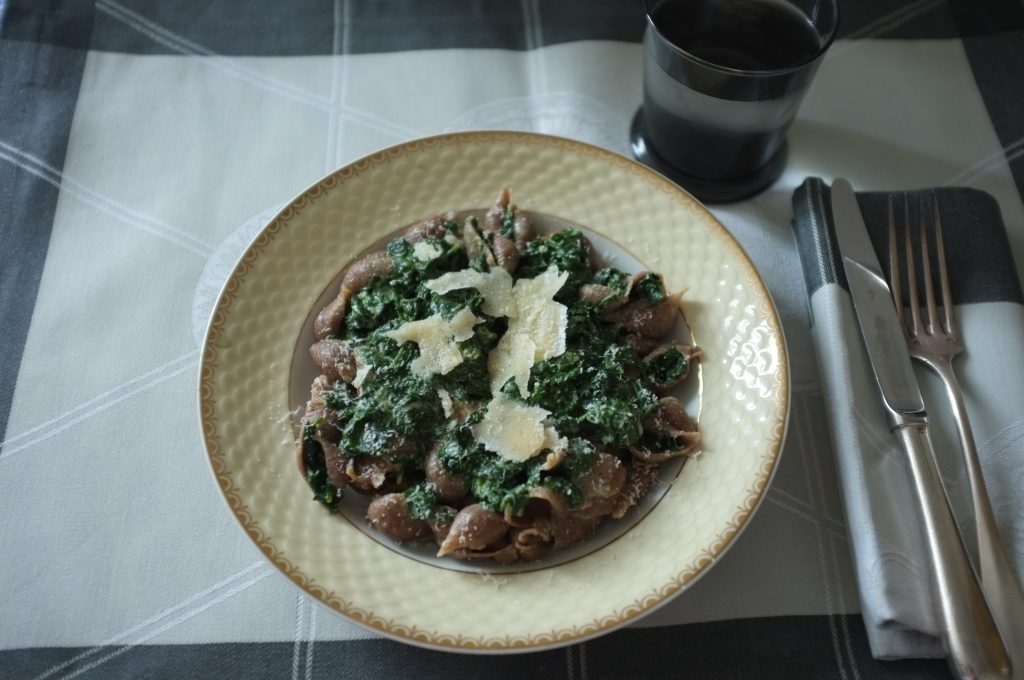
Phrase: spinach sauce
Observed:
(598, 391)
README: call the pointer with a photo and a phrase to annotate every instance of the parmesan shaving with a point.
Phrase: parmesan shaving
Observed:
(553, 440)
(495, 286)
(436, 338)
(363, 369)
(425, 251)
(513, 430)
(535, 333)
(540, 317)
(511, 358)
(446, 402)
(361, 374)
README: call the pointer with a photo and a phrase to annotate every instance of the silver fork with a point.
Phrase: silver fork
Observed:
(934, 341)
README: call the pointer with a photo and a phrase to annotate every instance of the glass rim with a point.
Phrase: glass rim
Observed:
(825, 44)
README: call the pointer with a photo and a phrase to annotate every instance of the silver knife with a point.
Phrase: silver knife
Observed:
(970, 636)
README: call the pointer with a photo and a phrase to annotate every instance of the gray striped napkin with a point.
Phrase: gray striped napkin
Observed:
(884, 527)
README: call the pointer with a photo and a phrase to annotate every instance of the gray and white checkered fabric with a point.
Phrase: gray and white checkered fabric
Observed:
(143, 142)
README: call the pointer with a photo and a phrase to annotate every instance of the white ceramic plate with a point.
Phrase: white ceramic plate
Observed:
(249, 371)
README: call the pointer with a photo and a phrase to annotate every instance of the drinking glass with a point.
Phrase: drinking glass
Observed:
(723, 80)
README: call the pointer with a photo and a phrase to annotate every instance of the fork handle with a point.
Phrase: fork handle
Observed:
(998, 580)
(969, 633)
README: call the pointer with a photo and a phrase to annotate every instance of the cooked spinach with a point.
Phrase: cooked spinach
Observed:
(593, 392)
(470, 380)
(598, 391)
(561, 485)
(397, 414)
(651, 288)
(668, 366)
(663, 440)
(452, 302)
(555, 385)
(580, 456)
(422, 500)
(564, 249)
(497, 483)
(508, 223)
(611, 421)
(613, 278)
(492, 480)
(316, 468)
(389, 301)
(587, 328)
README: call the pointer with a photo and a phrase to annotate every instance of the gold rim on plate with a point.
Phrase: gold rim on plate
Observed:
(247, 354)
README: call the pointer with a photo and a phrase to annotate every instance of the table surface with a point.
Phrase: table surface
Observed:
(144, 143)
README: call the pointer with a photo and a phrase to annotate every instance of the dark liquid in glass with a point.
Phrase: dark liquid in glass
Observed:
(749, 35)
(718, 124)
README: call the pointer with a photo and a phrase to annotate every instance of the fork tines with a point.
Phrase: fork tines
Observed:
(933, 324)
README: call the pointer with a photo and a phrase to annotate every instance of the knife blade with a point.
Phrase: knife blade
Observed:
(970, 636)
(876, 314)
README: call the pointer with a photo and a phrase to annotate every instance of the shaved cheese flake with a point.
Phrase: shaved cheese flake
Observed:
(497, 292)
(436, 337)
(553, 460)
(446, 402)
(535, 333)
(495, 286)
(361, 374)
(553, 440)
(542, 287)
(462, 324)
(363, 370)
(511, 358)
(540, 317)
(512, 429)
(425, 251)
(547, 331)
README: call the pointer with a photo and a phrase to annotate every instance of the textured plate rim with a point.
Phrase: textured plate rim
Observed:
(445, 642)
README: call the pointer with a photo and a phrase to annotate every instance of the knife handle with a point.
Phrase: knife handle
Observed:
(970, 636)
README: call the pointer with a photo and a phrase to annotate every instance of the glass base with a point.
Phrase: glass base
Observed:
(706, 190)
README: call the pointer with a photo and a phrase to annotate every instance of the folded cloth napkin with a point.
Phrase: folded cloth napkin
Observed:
(884, 525)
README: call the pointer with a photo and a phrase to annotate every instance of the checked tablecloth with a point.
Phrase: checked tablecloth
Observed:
(143, 143)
